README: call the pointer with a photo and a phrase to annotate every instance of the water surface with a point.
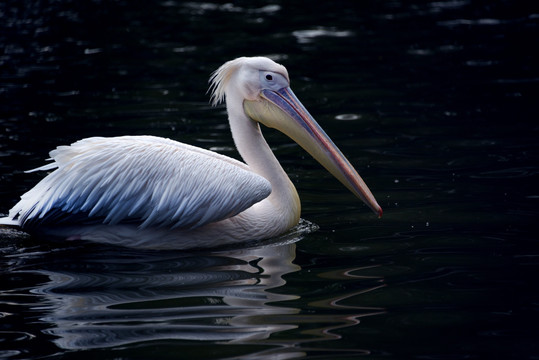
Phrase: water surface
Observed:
(433, 102)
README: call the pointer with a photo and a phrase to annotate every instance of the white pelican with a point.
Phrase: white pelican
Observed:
(145, 191)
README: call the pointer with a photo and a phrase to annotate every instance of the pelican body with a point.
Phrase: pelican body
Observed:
(151, 192)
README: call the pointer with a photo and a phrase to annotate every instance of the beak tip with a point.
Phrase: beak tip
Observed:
(380, 212)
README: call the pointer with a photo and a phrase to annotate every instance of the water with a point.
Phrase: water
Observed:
(435, 104)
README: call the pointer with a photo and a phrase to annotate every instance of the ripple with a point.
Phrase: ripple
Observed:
(10, 336)
(510, 173)
(469, 22)
(451, 4)
(308, 36)
(348, 117)
(5, 354)
(481, 63)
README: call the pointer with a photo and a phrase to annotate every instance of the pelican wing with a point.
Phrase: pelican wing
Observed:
(152, 181)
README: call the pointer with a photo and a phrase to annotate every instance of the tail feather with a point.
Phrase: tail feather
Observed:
(8, 221)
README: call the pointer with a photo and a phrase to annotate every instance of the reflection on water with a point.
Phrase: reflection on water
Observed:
(434, 101)
(104, 302)
(95, 297)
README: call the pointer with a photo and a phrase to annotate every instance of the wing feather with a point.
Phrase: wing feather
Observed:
(154, 181)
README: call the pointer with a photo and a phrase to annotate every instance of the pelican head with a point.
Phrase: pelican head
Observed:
(260, 88)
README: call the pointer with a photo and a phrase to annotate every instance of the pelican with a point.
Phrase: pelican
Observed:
(151, 192)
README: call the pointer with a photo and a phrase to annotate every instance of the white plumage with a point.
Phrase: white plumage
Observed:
(146, 191)
(153, 181)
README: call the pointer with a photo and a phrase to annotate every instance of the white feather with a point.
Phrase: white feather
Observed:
(153, 181)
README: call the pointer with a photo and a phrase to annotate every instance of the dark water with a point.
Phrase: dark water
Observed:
(434, 102)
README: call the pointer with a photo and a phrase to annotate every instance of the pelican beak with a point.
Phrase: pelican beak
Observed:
(281, 110)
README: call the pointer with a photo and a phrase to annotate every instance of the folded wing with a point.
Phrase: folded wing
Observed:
(151, 181)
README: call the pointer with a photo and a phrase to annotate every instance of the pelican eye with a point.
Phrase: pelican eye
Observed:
(272, 80)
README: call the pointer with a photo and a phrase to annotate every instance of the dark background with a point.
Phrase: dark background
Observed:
(435, 102)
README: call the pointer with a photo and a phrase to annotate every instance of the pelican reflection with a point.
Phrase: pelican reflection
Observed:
(109, 298)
